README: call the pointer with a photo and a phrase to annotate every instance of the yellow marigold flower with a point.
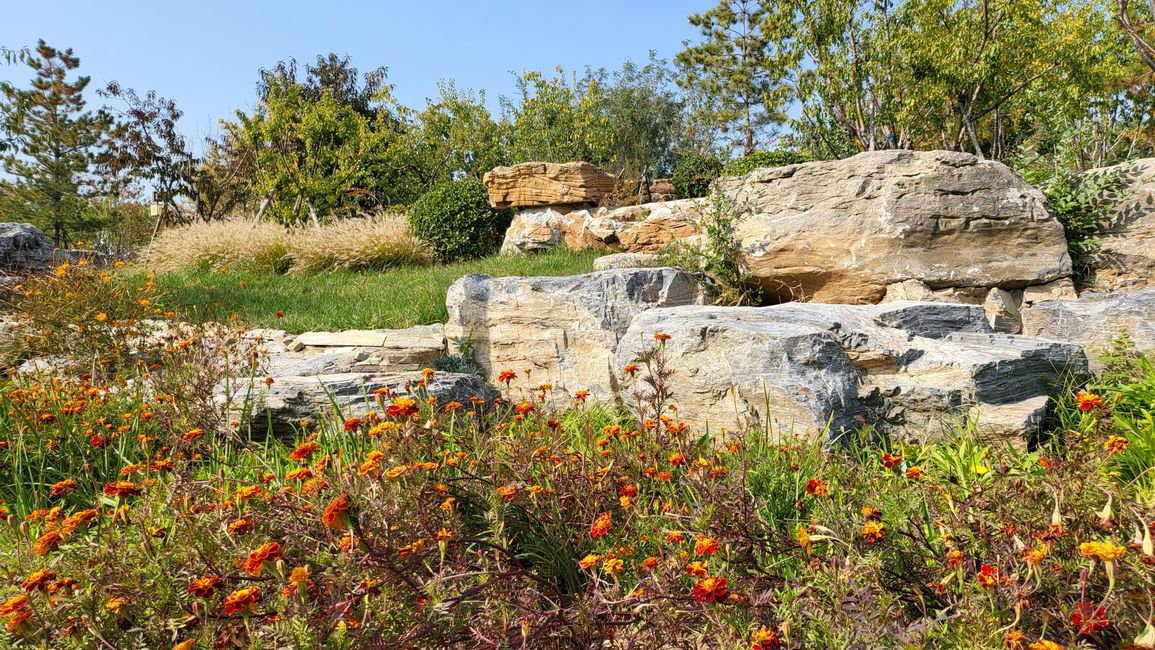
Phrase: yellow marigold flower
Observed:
(589, 560)
(613, 566)
(873, 531)
(1116, 445)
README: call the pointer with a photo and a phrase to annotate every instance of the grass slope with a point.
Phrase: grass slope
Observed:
(396, 298)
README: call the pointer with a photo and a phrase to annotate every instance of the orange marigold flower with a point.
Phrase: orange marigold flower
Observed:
(1087, 401)
(242, 600)
(817, 487)
(38, 580)
(890, 461)
(246, 492)
(62, 488)
(403, 407)
(1116, 445)
(335, 515)
(955, 559)
(443, 534)
(697, 568)
(915, 473)
(305, 450)
(650, 563)
(507, 492)
(711, 589)
(677, 458)
(662, 337)
(506, 376)
(1043, 644)
(13, 605)
(602, 525)
(299, 474)
(614, 566)
(77, 520)
(47, 542)
(1035, 556)
(873, 531)
(589, 561)
(116, 604)
(193, 434)
(764, 639)
(267, 553)
(352, 424)
(675, 537)
(205, 587)
(706, 546)
(631, 369)
(121, 489)
(1014, 640)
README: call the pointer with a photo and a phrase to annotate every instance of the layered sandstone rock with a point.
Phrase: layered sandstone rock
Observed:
(842, 231)
(538, 184)
(1096, 320)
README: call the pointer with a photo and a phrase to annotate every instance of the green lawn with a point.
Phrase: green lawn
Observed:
(395, 298)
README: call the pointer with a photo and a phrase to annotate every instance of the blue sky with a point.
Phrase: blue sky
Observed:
(205, 53)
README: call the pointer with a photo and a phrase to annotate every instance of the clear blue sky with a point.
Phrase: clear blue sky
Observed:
(205, 53)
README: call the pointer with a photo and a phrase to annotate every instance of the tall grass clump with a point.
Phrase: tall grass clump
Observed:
(376, 242)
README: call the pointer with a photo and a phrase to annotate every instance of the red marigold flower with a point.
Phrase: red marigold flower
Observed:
(706, 546)
(601, 525)
(677, 459)
(817, 487)
(697, 568)
(255, 564)
(631, 369)
(121, 489)
(650, 563)
(403, 407)
(764, 639)
(1089, 618)
(335, 515)
(988, 577)
(523, 408)
(305, 450)
(62, 488)
(352, 424)
(506, 376)
(1087, 401)
(242, 600)
(205, 587)
(890, 461)
(955, 558)
(711, 589)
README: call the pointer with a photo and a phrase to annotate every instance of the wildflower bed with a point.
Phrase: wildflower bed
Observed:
(141, 515)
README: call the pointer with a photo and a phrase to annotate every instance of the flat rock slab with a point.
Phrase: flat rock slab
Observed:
(539, 183)
(1095, 320)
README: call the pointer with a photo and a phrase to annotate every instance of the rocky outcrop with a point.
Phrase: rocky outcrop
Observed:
(1126, 254)
(842, 231)
(563, 329)
(1095, 320)
(910, 369)
(538, 184)
(628, 261)
(850, 231)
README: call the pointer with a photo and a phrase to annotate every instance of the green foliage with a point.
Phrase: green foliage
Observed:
(556, 121)
(759, 159)
(1082, 203)
(461, 361)
(716, 261)
(693, 175)
(455, 219)
(53, 145)
(740, 62)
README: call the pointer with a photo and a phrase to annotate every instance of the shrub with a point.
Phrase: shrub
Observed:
(760, 159)
(693, 174)
(1082, 202)
(714, 262)
(456, 221)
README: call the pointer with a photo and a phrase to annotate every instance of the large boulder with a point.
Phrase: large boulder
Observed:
(535, 184)
(1095, 320)
(646, 228)
(841, 231)
(24, 248)
(911, 369)
(1126, 255)
(564, 329)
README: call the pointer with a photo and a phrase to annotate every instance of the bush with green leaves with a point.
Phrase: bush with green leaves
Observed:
(760, 159)
(693, 174)
(1082, 202)
(455, 219)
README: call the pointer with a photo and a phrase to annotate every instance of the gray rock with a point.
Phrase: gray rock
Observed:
(292, 400)
(907, 368)
(24, 248)
(1126, 255)
(564, 329)
(628, 261)
(1095, 320)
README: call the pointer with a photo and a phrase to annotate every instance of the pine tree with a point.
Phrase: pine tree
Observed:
(53, 143)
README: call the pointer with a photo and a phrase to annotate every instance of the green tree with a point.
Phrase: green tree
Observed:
(740, 63)
(555, 121)
(54, 145)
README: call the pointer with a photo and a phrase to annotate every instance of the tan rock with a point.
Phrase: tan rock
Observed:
(1126, 256)
(1058, 290)
(842, 231)
(1002, 311)
(535, 184)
